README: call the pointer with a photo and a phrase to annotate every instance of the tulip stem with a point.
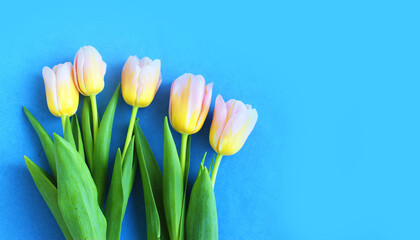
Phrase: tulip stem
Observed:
(94, 116)
(215, 168)
(183, 153)
(130, 130)
(63, 121)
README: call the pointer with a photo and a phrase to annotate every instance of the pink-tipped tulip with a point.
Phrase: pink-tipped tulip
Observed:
(232, 123)
(62, 94)
(89, 71)
(189, 103)
(140, 81)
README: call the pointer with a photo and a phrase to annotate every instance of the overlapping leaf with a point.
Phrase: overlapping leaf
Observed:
(46, 141)
(87, 131)
(201, 219)
(46, 186)
(119, 192)
(77, 194)
(173, 184)
(77, 135)
(101, 147)
(152, 187)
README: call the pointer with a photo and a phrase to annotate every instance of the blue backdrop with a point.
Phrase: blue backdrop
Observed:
(334, 154)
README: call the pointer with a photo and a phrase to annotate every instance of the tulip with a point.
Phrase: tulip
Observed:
(188, 107)
(62, 94)
(89, 71)
(140, 80)
(232, 123)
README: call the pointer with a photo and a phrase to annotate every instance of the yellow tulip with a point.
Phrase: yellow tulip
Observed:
(232, 123)
(140, 80)
(189, 103)
(89, 71)
(62, 94)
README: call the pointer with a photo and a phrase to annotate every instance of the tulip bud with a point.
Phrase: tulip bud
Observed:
(232, 123)
(189, 103)
(62, 94)
(89, 71)
(140, 81)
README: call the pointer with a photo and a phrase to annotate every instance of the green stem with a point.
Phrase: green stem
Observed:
(130, 130)
(183, 153)
(63, 122)
(215, 168)
(94, 116)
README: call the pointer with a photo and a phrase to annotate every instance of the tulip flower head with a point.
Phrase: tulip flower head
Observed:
(140, 80)
(189, 103)
(89, 71)
(62, 94)
(232, 123)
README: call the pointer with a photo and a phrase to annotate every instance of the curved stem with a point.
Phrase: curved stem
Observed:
(183, 152)
(130, 130)
(215, 168)
(63, 122)
(94, 116)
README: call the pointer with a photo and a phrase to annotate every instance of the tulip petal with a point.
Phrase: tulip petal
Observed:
(218, 123)
(79, 61)
(148, 79)
(179, 101)
(68, 96)
(196, 96)
(237, 130)
(205, 107)
(51, 90)
(129, 80)
(144, 61)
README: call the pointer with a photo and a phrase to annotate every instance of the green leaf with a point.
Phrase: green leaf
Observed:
(173, 184)
(77, 194)
(77, 135)
(68, 132)
(101, 147)
(119, 192)
(87, 130)
(46, 186)
(46, 141)
(129, 168)
(113, 207)
(152, 187)
(202, 213)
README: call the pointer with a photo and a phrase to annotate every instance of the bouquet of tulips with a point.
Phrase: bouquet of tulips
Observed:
(76, 188)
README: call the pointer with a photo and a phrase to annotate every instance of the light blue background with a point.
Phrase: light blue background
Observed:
(334, 154)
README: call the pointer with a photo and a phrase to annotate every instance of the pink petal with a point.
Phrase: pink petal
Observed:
(219, 121)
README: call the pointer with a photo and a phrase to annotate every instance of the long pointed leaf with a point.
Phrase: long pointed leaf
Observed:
(201, 219)
(87, 131)
(153, 219)
(173, 183)
(77, 135)
(119, 192)
(129, 169)
(101, 147)
(68, 132)
(113, 207)
(46, 186)
(46, 141)
(155, 176)
(77, 194)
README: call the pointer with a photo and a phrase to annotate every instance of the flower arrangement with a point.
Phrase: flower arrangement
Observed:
(76, 190)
